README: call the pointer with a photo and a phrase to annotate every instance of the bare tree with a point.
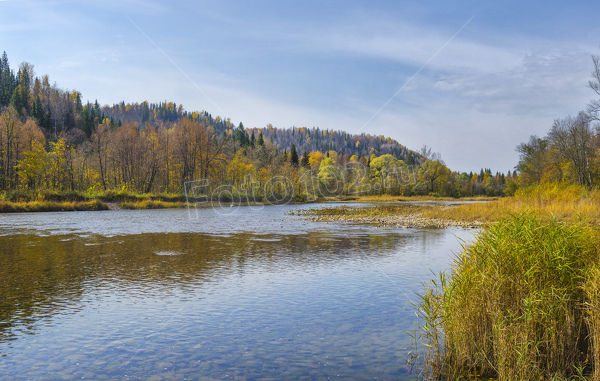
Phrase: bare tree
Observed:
(427, 153)
(573, 137)
(594, 84)
(533, 158)
(99, 144)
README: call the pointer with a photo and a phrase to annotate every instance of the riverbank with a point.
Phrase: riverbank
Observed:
(56, 201)
(53, 201)
(551, 201)
(51, 206)
(389, 198)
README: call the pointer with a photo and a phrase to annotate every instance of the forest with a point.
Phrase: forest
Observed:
(51, 141)
(570, 152)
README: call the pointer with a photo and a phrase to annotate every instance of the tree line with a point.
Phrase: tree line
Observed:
(50, 140)
(570, 152)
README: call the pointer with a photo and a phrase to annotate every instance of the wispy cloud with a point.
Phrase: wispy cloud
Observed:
(319, 64)
(409, 80)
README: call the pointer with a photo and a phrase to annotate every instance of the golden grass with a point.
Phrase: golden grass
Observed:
(48, 200)
(565, 203)
(51, 206)
(388, 198)
(152, 204)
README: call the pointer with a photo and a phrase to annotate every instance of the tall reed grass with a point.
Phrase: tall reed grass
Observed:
(522, 302)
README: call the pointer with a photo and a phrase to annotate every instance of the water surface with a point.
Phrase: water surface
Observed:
(237, 293)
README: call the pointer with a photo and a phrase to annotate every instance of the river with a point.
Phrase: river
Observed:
(235, 293)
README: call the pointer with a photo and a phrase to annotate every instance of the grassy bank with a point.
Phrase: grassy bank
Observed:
(50, 206)
(152, 204)
(44, 201)
(521, 302)
(388, 198)
(50, 201)
(565, 203)
(107, 196)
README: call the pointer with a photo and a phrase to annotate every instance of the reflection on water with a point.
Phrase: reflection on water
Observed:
(257, 294)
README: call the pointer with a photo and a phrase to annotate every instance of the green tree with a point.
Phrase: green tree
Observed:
(294, 156)
(382, 169)
(7, 81)
(329, 177)
(18, 101)
(304, 162)
(432, 172)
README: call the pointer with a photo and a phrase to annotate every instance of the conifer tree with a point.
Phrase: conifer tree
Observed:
(304, 161)
(294, 156)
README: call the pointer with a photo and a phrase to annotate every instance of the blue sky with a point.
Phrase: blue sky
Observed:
(470, 79)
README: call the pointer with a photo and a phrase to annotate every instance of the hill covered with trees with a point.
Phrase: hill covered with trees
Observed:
(51, 140)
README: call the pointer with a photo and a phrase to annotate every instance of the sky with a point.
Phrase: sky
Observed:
(469, 79)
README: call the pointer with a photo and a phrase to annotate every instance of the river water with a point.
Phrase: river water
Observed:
(235, 293)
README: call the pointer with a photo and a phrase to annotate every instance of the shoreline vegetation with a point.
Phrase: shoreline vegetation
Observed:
(51, 201)
(54, 141)
(522, 301)
(565, 203)
(54, 201)
(562, 202)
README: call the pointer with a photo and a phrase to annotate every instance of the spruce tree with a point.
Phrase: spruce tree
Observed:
(7, 81)
(17, 100)
(304, 161)
(410, 160)
(294, 156)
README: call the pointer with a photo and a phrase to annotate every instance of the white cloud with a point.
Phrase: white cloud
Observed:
(481, 94)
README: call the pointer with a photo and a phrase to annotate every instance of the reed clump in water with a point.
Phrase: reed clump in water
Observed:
(521, 302)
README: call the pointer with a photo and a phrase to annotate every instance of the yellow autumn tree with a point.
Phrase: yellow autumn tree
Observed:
(314, 159)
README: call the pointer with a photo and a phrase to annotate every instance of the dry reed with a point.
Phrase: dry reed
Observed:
(521, 302)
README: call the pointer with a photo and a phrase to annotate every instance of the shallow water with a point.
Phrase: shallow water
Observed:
(236, 293)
